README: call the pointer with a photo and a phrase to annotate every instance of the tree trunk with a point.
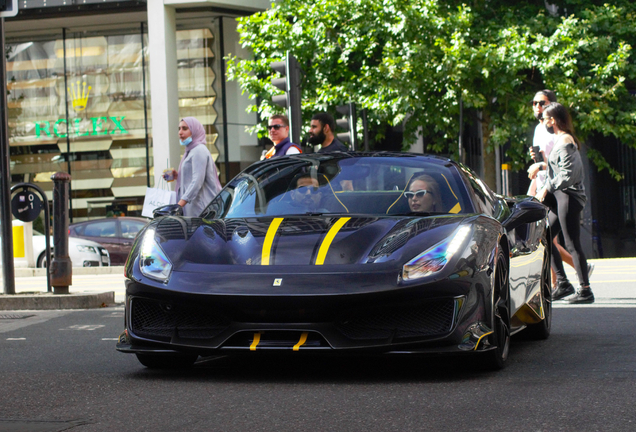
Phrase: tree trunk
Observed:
(488, 156)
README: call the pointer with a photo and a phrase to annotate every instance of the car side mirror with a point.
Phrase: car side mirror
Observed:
(526, 211)
(168, 210)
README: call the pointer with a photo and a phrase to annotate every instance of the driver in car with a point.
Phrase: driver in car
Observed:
(423, 195)
(307, 194)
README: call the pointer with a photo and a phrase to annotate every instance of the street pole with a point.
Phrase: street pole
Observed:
(5, 179)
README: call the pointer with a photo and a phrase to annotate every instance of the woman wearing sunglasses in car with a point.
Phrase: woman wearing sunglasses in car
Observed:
(423, 195)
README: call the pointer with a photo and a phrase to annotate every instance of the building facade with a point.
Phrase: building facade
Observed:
(97, 88)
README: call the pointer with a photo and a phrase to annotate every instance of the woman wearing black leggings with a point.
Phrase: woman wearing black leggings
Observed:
(565, 195)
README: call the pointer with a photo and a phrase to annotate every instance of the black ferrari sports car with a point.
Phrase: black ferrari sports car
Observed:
(341, 253)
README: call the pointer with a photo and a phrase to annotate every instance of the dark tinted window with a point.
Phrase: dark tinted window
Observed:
(130, 228)
(101, 229)
(485, 199)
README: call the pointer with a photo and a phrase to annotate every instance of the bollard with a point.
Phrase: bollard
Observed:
(60, 268)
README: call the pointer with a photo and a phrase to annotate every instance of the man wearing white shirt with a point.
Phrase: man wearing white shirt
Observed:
(542, 139)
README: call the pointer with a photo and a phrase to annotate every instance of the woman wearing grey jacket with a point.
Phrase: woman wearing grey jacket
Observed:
(564, 194)
(197, 177)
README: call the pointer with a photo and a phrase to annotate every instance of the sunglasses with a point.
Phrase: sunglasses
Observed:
(304, 190)
(276, 126)
(420, 193)
(540, 103)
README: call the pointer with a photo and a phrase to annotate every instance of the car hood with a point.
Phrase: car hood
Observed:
(194, 244)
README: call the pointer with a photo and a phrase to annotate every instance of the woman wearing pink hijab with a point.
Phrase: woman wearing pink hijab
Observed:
(197, 177)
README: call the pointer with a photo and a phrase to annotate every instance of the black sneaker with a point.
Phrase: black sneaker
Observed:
(562, 290)
(584, 296)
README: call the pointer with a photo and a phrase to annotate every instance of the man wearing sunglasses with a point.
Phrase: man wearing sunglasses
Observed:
(278, 128)
(307, 194)
(542, 139)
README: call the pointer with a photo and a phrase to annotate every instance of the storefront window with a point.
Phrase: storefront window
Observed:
(79, 102)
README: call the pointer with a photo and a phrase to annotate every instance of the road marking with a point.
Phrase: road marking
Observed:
(16, 338)
(84, 327)
(109, 339)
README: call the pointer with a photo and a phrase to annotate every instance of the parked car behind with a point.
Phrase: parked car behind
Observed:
(83, 253)
(115, 234)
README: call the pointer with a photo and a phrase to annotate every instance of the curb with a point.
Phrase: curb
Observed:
(28, 272)
(48, 301)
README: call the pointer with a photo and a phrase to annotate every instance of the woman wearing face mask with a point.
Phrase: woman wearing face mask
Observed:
(564, 194)
(197, 177)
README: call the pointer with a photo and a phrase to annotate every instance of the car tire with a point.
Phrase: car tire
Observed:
(541, 330)
(41, 261)
(167, 361)
(496, 358)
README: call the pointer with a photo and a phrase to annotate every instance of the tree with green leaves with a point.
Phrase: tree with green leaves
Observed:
(408, 62)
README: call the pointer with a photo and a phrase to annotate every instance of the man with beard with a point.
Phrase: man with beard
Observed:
(308, 194)
(321, 132)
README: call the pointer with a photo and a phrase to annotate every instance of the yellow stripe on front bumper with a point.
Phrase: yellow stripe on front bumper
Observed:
(481, 337)
(326, 243)
(269, 240)
(301, 342)
(255, 342)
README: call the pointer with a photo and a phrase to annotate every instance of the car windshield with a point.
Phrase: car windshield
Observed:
(341, 184)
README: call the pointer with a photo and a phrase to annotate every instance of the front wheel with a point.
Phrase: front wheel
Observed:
(167, 361)
(500, 338)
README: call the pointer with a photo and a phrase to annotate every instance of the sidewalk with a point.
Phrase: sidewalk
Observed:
(91, 287)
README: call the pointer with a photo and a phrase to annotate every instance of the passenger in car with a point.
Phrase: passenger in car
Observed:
(423, 195)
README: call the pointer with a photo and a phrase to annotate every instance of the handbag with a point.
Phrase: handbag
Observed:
(158, 197)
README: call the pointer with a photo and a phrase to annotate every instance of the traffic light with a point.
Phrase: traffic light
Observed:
(290, 84)
(348, 123)
(8, 8)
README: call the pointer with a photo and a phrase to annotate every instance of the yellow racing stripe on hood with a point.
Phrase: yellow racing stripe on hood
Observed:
(269, 240)
(324, 247)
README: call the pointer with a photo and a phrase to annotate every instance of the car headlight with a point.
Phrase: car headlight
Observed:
(86, 249)
(435, 258)
(153, 261)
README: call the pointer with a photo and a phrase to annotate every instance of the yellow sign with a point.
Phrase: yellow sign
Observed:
(79, 97)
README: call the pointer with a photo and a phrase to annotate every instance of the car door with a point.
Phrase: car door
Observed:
(105, 232)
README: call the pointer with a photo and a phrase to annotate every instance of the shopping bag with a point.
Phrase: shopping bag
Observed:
(157, 197)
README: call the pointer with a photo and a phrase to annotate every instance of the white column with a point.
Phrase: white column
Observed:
(418, 145)
(162, 49)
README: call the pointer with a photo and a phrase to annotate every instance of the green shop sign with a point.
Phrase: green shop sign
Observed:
(100, 126)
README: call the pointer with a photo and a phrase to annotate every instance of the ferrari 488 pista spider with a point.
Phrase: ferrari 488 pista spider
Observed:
(341, 253)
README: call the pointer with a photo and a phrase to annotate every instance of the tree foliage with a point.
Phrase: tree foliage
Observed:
(409, 61)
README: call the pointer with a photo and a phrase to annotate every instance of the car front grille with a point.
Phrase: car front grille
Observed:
(163, 320)
(429, 319)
